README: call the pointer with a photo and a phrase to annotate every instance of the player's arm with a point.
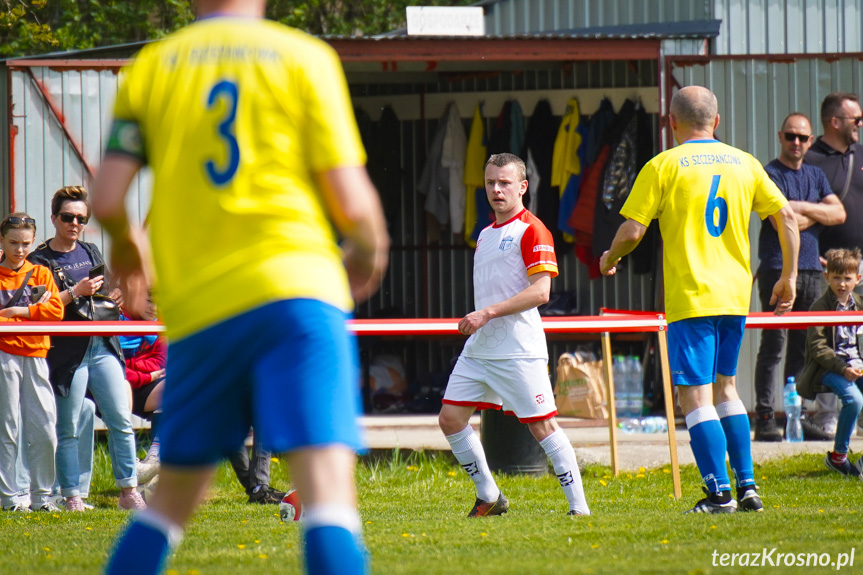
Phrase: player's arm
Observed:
(534, 295)
(356, 211)
(627, 238)
(129, 261)
(785, 289)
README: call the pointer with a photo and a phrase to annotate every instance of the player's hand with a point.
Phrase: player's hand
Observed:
(365, 271)
(606, 267)
(783, 295)
(130, 262)
(117, 296)
(471, 323)
(852, 374)
(157, 375)
(45, 297)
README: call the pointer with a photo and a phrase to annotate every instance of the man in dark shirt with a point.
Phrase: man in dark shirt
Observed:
(840, 155)
(815, 205)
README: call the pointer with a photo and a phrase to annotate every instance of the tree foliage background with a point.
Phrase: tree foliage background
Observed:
(30, 27)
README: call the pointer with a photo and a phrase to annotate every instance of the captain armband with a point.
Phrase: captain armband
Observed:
(126, 139)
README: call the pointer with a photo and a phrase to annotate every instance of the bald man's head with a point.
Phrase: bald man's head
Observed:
(695, 107)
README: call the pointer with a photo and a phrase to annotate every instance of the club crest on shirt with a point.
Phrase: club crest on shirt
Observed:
(540, 399)
(506, 243)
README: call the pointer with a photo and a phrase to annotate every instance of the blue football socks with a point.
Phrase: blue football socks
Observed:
(333, 544)
(707, 439)
(144, 546)
(735, 423)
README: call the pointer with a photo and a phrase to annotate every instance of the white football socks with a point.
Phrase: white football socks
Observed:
(469, 452)
(562, 456)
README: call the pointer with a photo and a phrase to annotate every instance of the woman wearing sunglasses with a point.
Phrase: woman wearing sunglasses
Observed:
(79, 364)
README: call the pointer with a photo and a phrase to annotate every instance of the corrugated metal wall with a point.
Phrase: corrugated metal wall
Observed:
(788, 26)
(748, 26)
(528, 16)
(44, 159)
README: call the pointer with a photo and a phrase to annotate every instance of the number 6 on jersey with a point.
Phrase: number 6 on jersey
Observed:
(713, 204)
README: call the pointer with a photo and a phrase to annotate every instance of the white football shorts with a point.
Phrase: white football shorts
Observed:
(520, 386)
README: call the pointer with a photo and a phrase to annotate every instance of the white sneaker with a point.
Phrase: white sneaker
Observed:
(49, 506)
(146, 470)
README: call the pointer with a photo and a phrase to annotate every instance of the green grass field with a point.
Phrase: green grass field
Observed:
(414, 508)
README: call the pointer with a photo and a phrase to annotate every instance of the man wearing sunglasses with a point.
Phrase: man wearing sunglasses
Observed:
(815, 206)
(839, 153)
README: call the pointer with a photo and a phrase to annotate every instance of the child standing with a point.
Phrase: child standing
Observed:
(26, 397)
(833, 355)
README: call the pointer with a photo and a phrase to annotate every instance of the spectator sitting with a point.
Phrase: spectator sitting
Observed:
(146, 357)
(253, 473)
(26, 398)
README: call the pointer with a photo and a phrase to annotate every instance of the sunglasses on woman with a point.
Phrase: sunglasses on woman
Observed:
(68, 218)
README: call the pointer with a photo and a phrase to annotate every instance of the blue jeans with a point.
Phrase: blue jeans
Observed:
(104, 375)
(849, 393)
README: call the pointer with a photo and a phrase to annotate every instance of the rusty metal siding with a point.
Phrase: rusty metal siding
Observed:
(44, 157)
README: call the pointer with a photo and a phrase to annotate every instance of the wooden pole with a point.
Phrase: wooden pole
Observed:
(609, 393)
(669, 409)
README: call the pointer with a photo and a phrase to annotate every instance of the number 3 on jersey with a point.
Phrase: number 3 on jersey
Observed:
(229, 92)
(715, 204)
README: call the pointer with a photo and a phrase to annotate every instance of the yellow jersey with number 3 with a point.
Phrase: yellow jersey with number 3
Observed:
(703, 192)
(235, 116)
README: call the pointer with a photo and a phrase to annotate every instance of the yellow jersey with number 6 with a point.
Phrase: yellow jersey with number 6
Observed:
(235, 117)
(703, 192)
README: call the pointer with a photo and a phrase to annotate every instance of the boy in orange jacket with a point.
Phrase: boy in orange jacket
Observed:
(27, 293)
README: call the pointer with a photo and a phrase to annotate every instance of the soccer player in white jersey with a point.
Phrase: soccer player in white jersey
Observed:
(504, 363)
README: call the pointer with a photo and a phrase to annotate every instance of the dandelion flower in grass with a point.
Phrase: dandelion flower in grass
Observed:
(594, 546)
(603, 483)
(713, 526)
(172, 572)
(241, 546)
(820, 511)
(666, 471)
(193, 572)
(56, 516)
(262, 556)
(841, 530)
(413, 468)
(640, 476)
(641, 470)
(664, 541)
(451, 473)
(46, 549)
(257, 540)
(274, 459)
(26, 535)
(406, 534)
(606, 476)
(88, 528)
(368, 522)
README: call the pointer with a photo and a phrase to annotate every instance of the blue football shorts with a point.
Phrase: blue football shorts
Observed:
(701, 347)
(289, 369)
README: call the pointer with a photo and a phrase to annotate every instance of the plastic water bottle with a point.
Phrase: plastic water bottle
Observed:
(636, 387)
(793, 404)
(650, 424)
(621, 377)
